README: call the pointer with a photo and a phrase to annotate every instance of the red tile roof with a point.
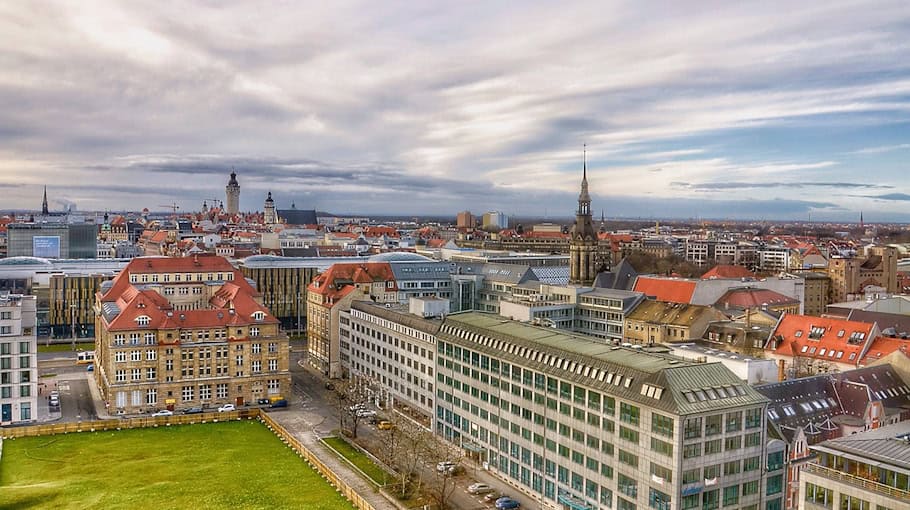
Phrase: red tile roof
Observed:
(817, 337)
(338, 280)
(753, 298)
(666, 289)
(883, 346)
(723, 271)
(234, 303)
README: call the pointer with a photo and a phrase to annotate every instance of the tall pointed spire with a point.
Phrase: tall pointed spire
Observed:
(44, 210)
(584, 152)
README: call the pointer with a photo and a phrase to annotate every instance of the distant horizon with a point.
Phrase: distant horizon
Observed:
(435, 216)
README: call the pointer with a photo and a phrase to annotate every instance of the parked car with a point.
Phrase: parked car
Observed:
(357, 407)
(279, 403)
(365, 413)
(263, 401)
(90, 367)
(192, 410)
(385, 425)
(226, 407)
(506, 504)
(445, 466)
(493, 496)
(163, 412)
(479, 488)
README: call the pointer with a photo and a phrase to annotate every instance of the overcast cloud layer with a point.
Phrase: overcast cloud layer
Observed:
(711, 109)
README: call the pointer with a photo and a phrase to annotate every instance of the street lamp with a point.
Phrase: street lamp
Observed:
(73, 315)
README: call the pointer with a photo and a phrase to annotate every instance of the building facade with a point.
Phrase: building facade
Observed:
(869, 470)
(185, 332)
(18, 359)
(577, 424)
(393, 352)
(52, 240)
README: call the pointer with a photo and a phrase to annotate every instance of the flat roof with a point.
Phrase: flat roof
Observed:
(570, 342)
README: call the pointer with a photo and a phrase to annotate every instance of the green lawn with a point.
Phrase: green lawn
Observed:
(68, 347)
(219, 465)
(376, 473)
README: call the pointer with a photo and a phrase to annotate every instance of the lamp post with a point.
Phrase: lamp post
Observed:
(73, 314)
(298, 312)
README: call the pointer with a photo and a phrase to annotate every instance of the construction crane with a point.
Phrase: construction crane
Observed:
(173, 207)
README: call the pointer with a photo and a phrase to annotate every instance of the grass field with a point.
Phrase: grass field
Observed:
(360, 460)
(204, 466)
(82, 346)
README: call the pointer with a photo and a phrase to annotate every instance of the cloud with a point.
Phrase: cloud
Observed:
(901, 197)
(881, 149)
(722, 186)
(473, 103)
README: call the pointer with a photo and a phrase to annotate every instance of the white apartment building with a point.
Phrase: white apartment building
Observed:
(18, 359)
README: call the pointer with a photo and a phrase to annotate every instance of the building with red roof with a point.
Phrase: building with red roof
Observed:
(752, 298)
(332, 292)
(673, 290)
(810, 345)
(726, 271)
(185, 332)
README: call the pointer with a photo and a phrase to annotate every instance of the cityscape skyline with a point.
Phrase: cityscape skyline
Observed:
(726, 112)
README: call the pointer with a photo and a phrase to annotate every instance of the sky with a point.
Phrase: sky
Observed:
(759, 110)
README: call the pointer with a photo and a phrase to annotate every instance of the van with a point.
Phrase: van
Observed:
(279, 403)
(275, 398)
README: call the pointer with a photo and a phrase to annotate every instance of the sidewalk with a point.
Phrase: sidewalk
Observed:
(100, 407)
(295, 422)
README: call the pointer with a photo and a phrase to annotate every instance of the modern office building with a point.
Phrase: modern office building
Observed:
(580, 424)
(18, 359)
(864, 471)
(185, 332)
(392, 352)
(596, 312)
(53, 240)
(495, 220)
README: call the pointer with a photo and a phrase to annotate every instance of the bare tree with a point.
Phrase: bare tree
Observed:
(405, 446)
(442, 484)
(349, 402)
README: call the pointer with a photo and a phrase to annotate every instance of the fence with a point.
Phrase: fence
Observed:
(330, 476)
(126, 423)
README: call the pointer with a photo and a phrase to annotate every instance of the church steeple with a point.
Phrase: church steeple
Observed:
(583, 243)
(44, 210)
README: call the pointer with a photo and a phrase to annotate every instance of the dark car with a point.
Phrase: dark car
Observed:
(506, 504)
(263, 401)
(192, 410)
(493, 496)
(279, 403)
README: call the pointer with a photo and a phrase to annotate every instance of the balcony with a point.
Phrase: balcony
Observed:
(857, 481)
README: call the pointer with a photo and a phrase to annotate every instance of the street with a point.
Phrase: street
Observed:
(57, 372)
(311, 401)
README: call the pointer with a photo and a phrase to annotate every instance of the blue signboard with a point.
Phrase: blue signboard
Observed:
(47, 247)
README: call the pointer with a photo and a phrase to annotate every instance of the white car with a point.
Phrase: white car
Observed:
(445, 466)
(365, 413)
(479, 488)
(163, 412)
(226, 407)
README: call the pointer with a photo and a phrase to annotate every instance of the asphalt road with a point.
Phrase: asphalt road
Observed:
(70, 380)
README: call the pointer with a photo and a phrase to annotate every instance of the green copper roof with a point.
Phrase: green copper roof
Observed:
(686, 387)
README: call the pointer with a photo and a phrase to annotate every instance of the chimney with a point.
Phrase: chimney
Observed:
(780, 370)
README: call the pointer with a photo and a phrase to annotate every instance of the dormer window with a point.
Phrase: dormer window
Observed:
(798, 333)
(143, 320)
(258, 315)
